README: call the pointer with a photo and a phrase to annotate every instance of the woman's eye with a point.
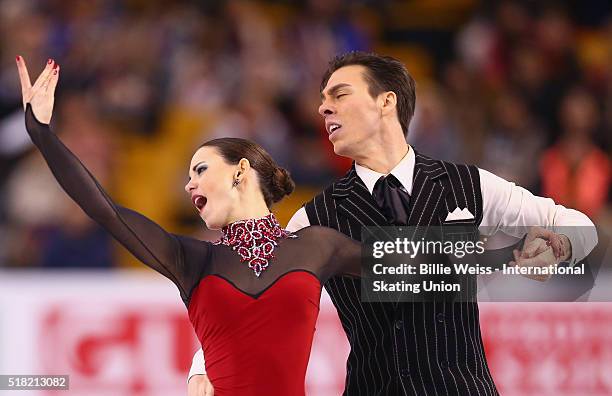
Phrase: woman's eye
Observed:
(200, 169)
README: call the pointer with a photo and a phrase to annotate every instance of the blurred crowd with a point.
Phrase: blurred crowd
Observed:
(522, 89)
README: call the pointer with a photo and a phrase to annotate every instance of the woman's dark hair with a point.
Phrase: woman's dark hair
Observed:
(383, 73)
(275, 182)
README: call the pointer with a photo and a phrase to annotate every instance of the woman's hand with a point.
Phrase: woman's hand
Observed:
(41, 94)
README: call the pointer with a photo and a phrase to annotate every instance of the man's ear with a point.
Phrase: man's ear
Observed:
(388, 102)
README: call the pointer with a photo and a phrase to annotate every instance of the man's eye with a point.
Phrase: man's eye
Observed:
(340, 95)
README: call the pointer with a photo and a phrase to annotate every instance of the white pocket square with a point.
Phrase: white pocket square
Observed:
(459, 214)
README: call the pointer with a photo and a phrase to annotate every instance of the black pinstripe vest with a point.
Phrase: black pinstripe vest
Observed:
(408, 348)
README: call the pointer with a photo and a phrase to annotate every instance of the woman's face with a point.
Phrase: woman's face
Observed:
(210, 187)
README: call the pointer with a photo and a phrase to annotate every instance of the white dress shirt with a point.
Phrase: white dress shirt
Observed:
(506, 207)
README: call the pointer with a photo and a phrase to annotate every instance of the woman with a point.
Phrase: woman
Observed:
(253, 296)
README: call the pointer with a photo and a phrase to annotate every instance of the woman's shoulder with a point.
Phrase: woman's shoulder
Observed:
(314, 229)
(321, 232)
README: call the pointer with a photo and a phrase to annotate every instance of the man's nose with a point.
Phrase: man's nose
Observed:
(325, 109)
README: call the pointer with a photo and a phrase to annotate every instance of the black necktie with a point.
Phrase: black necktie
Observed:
(393, 199)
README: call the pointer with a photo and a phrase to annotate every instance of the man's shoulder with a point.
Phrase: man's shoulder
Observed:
(425, 160)
(338, 184)
(326, 192)
(453, 174)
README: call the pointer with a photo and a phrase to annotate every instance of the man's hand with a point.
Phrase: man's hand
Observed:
(542, 248)
(199, 385)
(541, 255)
(560, 244)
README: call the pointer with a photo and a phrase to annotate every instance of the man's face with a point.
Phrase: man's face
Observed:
(351, 115)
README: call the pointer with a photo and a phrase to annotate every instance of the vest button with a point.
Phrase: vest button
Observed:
(399, 324)
(404, 372)
(440, 317)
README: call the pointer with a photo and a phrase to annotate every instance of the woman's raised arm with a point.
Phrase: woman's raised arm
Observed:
(180, 259)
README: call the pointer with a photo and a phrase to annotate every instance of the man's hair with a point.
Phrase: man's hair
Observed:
(383, 73)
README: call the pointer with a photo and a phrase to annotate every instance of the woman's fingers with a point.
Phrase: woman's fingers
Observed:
(54, 77)
(24, 77)
(45, 84)
(44, 75)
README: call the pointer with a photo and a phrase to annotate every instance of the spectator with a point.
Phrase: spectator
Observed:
(575, 172)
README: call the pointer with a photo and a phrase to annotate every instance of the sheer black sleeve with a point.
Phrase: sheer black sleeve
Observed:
(180, 259)
(341, 255)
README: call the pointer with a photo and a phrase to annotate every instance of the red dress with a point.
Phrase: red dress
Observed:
(257, 345)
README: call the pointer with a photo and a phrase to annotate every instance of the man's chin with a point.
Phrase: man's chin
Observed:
(339, 148)
(342, 150)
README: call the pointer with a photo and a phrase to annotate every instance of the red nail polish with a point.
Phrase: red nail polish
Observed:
(55, 66)
(50, 61)
(55, 72)
(18, 58)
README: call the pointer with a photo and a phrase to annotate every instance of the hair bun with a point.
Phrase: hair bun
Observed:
(274, 181)
(282, 184)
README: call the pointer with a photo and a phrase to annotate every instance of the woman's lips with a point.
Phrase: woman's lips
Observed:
(199, 202)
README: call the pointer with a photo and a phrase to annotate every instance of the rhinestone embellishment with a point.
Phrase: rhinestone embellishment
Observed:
(254, 240)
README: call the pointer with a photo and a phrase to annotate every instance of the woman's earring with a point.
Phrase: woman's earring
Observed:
(235, 183)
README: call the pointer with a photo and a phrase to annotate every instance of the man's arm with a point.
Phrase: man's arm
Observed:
(514, 210)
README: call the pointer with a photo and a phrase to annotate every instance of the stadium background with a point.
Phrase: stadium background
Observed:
(520, 88)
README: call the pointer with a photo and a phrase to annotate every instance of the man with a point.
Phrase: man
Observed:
(410, 348)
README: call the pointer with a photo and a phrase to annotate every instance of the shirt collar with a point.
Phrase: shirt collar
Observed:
(403, 171)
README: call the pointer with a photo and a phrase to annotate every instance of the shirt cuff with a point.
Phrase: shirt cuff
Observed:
(583, 240)
(198, 366)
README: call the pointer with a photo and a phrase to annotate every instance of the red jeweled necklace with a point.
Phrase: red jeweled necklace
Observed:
(254, 240)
